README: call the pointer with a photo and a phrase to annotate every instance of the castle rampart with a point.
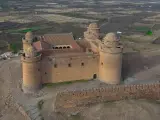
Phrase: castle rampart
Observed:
(77, 100)
(35, 59)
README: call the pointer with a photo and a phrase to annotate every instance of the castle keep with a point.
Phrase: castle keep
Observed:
(57, 58)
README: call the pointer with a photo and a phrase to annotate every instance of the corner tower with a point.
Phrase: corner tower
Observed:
(31, 70)
(110, 63)
(92, 33)
(27, 41)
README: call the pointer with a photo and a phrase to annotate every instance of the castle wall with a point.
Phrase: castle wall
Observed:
(31, 73)
(110, 67)
(69, 69)
(73, 101)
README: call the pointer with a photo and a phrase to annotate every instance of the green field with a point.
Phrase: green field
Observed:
(146, 30)
(142, 29)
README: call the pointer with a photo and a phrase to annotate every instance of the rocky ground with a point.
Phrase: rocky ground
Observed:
(120, 110)
(8, 110)
(143, 70)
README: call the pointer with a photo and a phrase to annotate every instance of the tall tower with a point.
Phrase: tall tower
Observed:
(27, 41)
(110, 63)
(92, 33)
(31, 70)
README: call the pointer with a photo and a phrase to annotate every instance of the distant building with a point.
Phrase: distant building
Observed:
(59, 58)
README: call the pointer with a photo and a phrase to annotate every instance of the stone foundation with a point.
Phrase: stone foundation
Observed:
(27, 89)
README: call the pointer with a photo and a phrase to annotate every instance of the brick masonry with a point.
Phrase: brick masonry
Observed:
(72, 101)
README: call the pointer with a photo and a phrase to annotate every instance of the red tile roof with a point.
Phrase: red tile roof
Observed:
(41, 45)
(61, 39)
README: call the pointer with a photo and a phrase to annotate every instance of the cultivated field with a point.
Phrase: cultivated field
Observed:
(63, 19)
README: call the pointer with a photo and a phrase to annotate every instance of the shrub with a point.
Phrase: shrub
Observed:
(40, 104)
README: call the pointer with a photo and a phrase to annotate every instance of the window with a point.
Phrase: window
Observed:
(82, 64)
(60, 47)
(45, 73)
(64, 47)
(69, 65)
(56, 47)
(101, 63)
(38, 69)
(55, 65)
(68, 46)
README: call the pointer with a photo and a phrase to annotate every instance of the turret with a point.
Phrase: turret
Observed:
(27, 41)
(110, 63)
(31, 70)
(92, 33)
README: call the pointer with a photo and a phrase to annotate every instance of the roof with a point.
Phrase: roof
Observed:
(83, 44)
(61, 39)
(40, 45)
(110, 37)
(93, 26)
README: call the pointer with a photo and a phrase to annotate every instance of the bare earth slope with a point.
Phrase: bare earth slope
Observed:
(8, 111)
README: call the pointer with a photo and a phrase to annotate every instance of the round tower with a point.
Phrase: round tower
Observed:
(93, 32)
(27, 41)
(110, 63)
(31, 70)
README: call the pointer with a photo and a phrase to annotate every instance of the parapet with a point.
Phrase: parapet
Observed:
(26, 41)
(113, 50)
(33, 59)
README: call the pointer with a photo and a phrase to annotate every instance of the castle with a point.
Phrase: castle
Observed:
(57, 58)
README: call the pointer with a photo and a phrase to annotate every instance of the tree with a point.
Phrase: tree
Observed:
(13, 48)
(149, 32)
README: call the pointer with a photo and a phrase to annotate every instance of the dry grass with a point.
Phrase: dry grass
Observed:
(155, 18)
(64, 19)
(6, 18)
(65, 10)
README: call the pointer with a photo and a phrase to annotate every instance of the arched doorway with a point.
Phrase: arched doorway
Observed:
(94, 76)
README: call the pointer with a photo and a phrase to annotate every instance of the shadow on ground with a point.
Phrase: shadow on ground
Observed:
(136, 62)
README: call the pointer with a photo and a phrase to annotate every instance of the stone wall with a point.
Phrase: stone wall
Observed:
(69, 69)
(72, 101)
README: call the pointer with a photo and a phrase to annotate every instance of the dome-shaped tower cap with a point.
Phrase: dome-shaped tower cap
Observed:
(29, 36)
(93, 26)
(110, 37)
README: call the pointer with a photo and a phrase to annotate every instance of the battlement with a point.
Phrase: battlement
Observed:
(34, 59)
(112, 50)
(26, 41)
(76, 100)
